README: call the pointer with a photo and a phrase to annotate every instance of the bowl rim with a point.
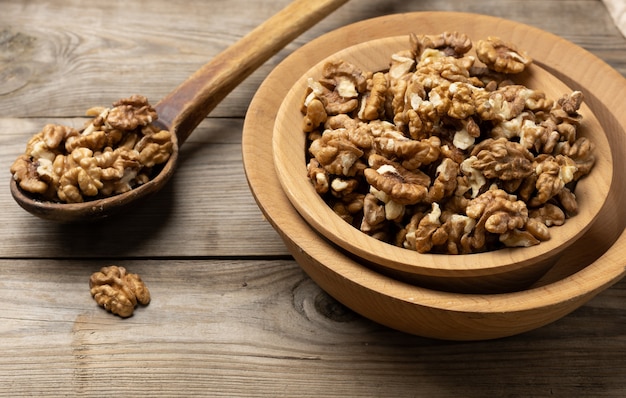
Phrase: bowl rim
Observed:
(366, 291)
(322, 218)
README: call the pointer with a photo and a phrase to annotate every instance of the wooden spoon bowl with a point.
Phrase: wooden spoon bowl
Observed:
(495, 271)
(585, 269)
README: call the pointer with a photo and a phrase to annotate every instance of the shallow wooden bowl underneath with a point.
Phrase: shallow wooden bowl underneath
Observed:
(497, 271)
(593, 264)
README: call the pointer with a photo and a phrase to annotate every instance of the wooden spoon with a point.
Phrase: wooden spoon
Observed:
(184, 108)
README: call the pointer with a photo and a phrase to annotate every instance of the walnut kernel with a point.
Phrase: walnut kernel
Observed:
(118, 291)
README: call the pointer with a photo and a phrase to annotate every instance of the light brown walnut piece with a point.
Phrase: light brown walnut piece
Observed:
(130, 113)
(394, 211)
(553, 173)
(518, 238)
(502, 56)
(80, 176)
(445, 183)
(502, 159)
(341, 121)
(319, 176)
(571, 103)
(505, 103)
(120, 170)
(449, 43)
(426, 230)
(334, 103)
(342, 187)
(524, 126)
(407, 235)
(55, 135)
(402, 186)
(581, 152)
(347, 79)
(154, 147)
(537, 228)
(462, 104)
(454, 228)
(115, 164)
(471, 179)
(94, 141)
(362, 135)
(24, 171)
(401, 64)
(422, 121)
(464, 137)
(435, 70)
(315, 115)
(567, 200)
(549, 214)
(334, 151)
(338, 89)
(374, 104)
(349, 205)
(118, 291)
(496, 212)
(33, 169)
(411, 154)
(373, 214)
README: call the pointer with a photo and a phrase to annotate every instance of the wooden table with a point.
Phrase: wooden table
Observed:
(232, 313)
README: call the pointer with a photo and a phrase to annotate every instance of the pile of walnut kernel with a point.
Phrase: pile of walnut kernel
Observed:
(443, 153)
(115, 152)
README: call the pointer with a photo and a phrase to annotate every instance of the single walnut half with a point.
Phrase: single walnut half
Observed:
(338, 89)
(130, 113)
(501, 56)
(336, 153)
(374, 105)
(118, 291)
(315, 115)
(450, 43)
(502, 159)
(403, 186)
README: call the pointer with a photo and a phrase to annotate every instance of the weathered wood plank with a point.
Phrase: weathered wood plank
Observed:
(262, 328)
(51, 64)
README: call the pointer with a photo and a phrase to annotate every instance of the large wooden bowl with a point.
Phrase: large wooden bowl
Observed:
(497, 271)
(585, 269)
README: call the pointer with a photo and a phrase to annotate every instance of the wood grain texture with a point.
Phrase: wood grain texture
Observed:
(232, 314)
(263, 328)
(151, 46)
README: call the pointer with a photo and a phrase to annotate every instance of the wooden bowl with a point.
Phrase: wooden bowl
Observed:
(497, 271)
(585, 269)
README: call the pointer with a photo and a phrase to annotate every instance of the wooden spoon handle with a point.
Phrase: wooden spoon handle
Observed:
(185, 107)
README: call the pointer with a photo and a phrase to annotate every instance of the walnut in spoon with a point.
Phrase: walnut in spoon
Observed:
(116, 152)
(184, 108)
